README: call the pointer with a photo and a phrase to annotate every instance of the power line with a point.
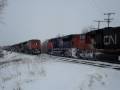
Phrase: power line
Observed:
(108, 20)
(98, 21)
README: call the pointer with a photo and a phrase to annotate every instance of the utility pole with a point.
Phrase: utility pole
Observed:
(98, 21)
(108, 20)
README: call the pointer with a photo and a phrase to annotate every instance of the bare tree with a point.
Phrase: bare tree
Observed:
(3, 3)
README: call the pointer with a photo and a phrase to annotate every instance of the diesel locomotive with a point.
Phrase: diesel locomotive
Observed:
(29, 47)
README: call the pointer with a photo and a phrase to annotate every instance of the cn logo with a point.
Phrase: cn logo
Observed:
(110, 39)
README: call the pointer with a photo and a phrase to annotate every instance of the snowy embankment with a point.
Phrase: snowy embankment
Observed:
(44, 73)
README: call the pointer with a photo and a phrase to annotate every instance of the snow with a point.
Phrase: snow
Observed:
(43, 72)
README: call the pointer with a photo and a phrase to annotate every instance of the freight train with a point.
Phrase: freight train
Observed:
(102, 44)
(29, 47)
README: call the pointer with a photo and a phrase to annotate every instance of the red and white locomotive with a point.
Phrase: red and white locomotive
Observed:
(75, 45)
(31, 47)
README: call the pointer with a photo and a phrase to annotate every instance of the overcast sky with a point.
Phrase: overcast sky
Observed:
(43, 19)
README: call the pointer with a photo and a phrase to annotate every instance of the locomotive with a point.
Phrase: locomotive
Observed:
(30, 47)
(73, 45)
(102, 44)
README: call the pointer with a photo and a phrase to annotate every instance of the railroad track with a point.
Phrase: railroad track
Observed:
(74, 60)
(87, 62)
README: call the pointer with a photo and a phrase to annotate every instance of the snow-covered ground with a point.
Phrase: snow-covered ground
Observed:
(25, 72)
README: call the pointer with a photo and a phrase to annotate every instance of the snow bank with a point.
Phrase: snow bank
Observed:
(43, 73)
(11, 56)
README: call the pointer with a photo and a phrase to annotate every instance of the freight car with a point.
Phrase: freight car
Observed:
(30, 47)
